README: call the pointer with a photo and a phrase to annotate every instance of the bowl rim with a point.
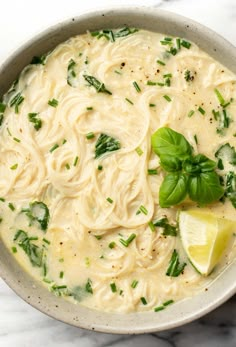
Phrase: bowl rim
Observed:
(10, 276)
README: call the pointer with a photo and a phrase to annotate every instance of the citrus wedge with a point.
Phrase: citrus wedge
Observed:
(204, 237)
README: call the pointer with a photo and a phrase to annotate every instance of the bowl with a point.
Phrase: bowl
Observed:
(31, 290)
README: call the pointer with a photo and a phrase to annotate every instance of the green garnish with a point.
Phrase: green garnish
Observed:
(16, 139)
(159, 308)
(2, 199)
(33, 118)
(100, 167)
(110, 200)
(67, 166)
(167, 98)
(117, 72)
(40, 60)
(144, 301)
(152, 172)
(64, 141)
(134, 284)
(90, 136)
(175, 268)
(161, 62)
(99, 86)
(39, 212)
(191, 113)
(139, 151)
(227, 154)
(88, 286)
(2, 110)
(219, 97)
(16, 101)
(168, 229)
(112, 245)
(136, 86)
(224, 120)
(71, 74)
(151, 83)
(34, 252)
(46, 241)
(185, 44)
(143, 210)
(169, 302)
(113, 287)
(89, 108)
(53, 102)
(152, 105)
(61, 274)
(188, 76)
(76, 161)
(53, 148)
(11, 206)
(98, 237)
(201, 110)
(230, 191)
(111, 35)
(127, 242)
(151, 226)
(104, 144)
(195, 139)
(129, 101)
(14, 249)
(14, 167)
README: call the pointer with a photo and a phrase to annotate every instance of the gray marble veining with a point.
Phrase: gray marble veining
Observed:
(23, 326)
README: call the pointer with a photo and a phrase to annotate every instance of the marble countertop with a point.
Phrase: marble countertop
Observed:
(20, 324)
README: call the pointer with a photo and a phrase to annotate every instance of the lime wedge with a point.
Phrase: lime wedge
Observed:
(204, 237)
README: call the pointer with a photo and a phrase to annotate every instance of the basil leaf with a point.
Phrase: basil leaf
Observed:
(199, 163)
(170, 163)
(166, 141)
(173, 189)
(205, 188)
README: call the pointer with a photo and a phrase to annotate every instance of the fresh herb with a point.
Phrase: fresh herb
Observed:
(230, 191)
(89, 108)
(81, 292)
(227, 154)
(136, 86)
(90, 136)
(64, 141)
(113, 287)
(60, 290)
(111, 35)
(167, 98)
(61, 274)
(144, 301)
(134, 284)
(168, 229)
(152, 172)
(159, 308)
(2, 110)
(14, 167)
(191, 113)
(17, 101)
(151, 226)
(139, 151)
(40, 60)
(16, 139)
(112, 245)
(188, 76)
(46, 241)
(143, 209)
(11, 206)
(127, 242)
(224, 120)
(110, 200)
(175, 268)
(76, 161)
(88, 286)
(117, 72)
(98, 237)
(2, 199)
(187, 174)
(100, 167)
(195, 139)
(151, 83)
(67, 166)
(220, 98)
(185, 44)
(129, 101)
(34, 252)
(53, 103)
(99, 86)
(160, 62)
(33, 118)
(71, 74)
(14, 249)
(39, 212)
(201, 110)
(152, 105)
(54, 147)
(168, 302)
(104, 144)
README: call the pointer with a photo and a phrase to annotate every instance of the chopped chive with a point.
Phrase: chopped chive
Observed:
(152, 105)
(61, 260)
(128, 241)
(167, 98)
(46, 241)
(121, 292)
(185, 44)
(14, 249)
(90, 136)
(219, 97)
(200, 109)
(139, 151)
(53, 102)
(16, 139)
(11, 206)
(151, 83)
(191, 113)
(113, 287)
(64, 141)
(144, 301)
(9, 133)
(134, 284)
(87, 261)
(100, 167)
(16, 101)
(110, 200)
(54, 147)
(151, 226)
(128, 100)
(61, 275)
(161, 62)
(89, 108)
(160, 84)
(1, 220)
(168, 39)
(2, 199)
(159, 308)
(178, 43)
(60, 287)
(75, 161)
(118, 72)
(196, 140)
(98, 237)
(152, 172)
(143, 210)
(112, 244)
(166, 303)
(67, 166)
(167, 75)
(46, 280)
(136, 86)
(14, 167)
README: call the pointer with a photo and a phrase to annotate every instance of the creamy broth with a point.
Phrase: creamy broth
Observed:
(94, 203)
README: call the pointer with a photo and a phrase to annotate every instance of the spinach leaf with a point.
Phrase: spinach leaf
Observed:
(167, 142)
(106, 143)
(230, 191)
(205, 188)
(170, 163)
(99, 86)
(34, 253)
(173, 189)
(175, 268)
(38, 211)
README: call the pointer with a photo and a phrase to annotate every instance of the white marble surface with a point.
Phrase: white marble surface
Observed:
(20, 324)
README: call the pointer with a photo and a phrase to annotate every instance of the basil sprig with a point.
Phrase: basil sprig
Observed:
(186, 174)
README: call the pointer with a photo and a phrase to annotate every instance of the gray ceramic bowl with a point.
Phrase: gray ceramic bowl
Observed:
(21, 282)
